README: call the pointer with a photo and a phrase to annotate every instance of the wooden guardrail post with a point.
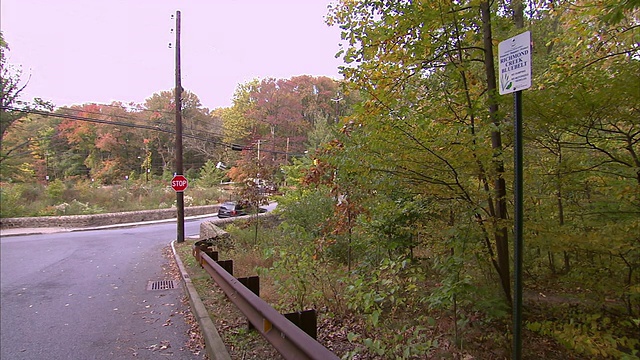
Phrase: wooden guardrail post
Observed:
(291, 341)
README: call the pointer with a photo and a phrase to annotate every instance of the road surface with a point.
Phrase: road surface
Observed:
(84, 295)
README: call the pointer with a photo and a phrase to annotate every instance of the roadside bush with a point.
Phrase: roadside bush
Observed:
(55, 190)
(12, 204)
(30, 192)
(591, 334)
(289, 257)
(77, 207)
(205, 195)
(210, 176)
(87, 197)
(22, 199)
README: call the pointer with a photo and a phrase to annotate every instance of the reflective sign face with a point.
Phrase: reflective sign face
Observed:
(179, 183)
(515, 63)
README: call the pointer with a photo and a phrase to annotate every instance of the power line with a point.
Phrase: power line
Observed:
(141, 126)
(82, 118)
(133, 119)
(103, 114)
(108, 122)
(123, 107)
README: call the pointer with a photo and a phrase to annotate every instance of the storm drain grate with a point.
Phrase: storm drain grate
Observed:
(161, 285)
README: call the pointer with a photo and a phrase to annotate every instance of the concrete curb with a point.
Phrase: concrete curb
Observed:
(53, 230)
(214, 346)
(83, 221)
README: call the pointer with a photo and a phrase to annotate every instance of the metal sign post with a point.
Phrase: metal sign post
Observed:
(515, 76)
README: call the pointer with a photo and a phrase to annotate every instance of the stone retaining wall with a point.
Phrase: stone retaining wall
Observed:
(79, 221)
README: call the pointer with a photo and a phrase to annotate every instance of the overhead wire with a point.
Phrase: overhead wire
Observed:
(142, 126)
(132, 118)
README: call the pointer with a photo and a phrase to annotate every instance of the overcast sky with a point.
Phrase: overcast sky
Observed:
(81, 51)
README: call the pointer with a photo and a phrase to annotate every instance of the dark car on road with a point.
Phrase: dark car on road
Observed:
(231, 209)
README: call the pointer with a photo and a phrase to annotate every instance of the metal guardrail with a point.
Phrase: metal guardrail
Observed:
(288, 339)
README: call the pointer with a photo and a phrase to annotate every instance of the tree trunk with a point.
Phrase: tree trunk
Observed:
(567, 263)
(500, 232)
(552, 262)
(559, 196)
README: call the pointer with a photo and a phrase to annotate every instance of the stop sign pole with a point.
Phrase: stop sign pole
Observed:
(179, 183)
(178, 104)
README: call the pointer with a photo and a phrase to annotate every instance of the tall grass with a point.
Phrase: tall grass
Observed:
(85, 197)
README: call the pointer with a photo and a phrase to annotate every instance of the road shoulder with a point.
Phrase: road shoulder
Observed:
(214, 345)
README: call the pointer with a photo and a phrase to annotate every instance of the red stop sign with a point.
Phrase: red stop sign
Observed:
(179, 183)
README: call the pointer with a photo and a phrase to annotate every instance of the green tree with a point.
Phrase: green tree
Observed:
(430, 119)
(201, 130)
(31, 155)
(11, 86)
(110, 148)
(210, 175)
(279, 116)
(237, 127)
(584, 131)
(161, 114)
(431, 124)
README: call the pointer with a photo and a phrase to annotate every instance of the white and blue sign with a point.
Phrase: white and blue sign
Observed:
(515, 63)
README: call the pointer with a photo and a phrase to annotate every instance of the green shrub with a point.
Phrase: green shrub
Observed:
(20, 199)
(76, 207)
(204, 195)
(210, 176)
(31, 192)
(11, 201)
(55, 190)
(591, 335)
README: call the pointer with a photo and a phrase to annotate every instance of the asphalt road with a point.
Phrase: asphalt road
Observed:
(83, 295)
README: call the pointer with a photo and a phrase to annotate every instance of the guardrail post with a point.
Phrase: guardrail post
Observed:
(212, 254)
(227, 265)
(306, 320)
(294, 339)
(252, 283)
(198, 249)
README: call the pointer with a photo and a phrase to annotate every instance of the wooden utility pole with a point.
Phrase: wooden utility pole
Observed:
(178, 103)
(286, 154)
(258, 153)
